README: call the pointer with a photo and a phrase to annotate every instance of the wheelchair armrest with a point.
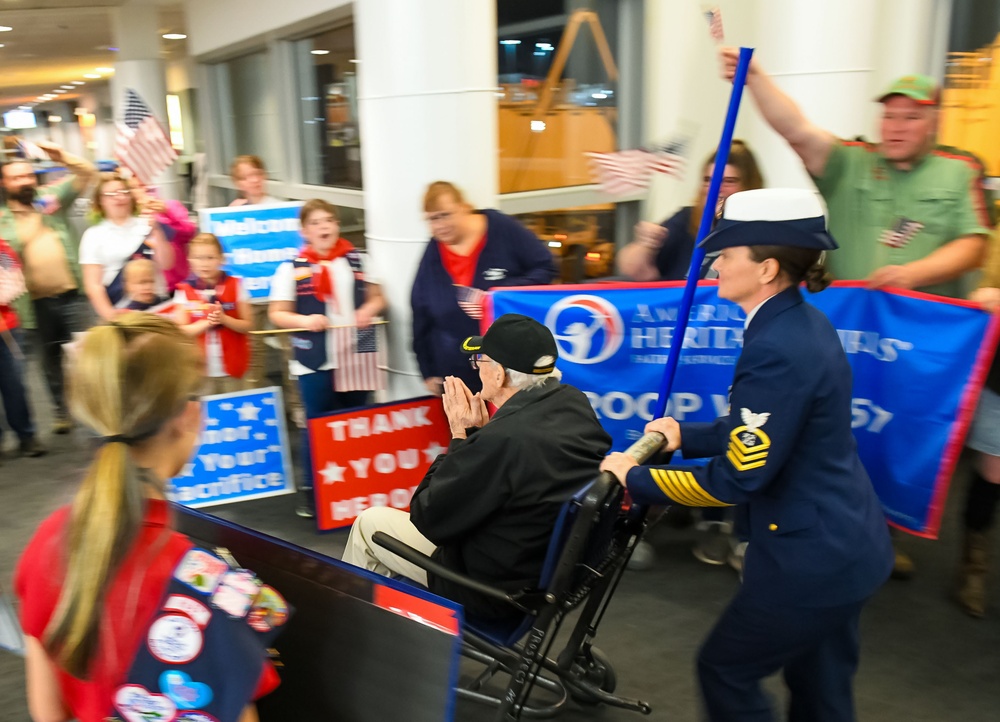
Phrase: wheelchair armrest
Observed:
(423, 561)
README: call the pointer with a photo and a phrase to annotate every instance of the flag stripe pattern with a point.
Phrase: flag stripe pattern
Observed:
(628, 171)
(142, 145)
(11, 276)
(714, 17)
(361, 365)
(470, 300)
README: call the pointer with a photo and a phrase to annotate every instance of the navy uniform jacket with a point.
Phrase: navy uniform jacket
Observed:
(787, 456)
(511, 256)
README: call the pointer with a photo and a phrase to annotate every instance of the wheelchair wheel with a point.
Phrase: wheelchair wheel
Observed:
(595, 670)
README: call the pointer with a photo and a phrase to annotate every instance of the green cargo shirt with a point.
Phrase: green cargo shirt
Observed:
(867, 196)
(57, 222)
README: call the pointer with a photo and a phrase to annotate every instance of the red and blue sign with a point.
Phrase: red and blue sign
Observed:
(918, 360)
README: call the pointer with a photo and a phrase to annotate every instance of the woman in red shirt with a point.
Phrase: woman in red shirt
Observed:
(95, 573)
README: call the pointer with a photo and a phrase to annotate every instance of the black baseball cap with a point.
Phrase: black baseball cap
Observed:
(517, 342)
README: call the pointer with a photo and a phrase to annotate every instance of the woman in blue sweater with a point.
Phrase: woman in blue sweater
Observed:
(470, 252)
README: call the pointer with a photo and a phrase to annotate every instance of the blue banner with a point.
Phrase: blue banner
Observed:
(256, 240)
(243, 452)
(918, 362)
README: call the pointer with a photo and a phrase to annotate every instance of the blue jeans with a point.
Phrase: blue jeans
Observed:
(15, 397)
(319, 399)
(57, 319)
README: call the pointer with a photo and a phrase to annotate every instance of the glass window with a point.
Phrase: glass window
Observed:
(581, 239)
(559, 82)
(253, 111)
(328, 108)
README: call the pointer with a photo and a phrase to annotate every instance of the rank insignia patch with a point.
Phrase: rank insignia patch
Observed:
(748, 444)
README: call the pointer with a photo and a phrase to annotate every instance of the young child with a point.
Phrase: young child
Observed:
(326, 286)
(214, 307)
(141, 279)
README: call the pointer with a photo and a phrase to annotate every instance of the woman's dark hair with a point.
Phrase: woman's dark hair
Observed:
(751, 179)
(798, 265)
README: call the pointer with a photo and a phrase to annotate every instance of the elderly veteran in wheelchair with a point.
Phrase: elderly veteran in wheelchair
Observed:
(486, 507)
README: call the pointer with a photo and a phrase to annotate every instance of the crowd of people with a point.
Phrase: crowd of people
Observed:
(902, 212)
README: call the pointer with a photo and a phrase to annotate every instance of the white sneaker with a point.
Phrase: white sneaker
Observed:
(712, 546)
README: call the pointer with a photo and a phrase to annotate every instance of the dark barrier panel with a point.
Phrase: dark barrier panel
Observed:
(359, 647)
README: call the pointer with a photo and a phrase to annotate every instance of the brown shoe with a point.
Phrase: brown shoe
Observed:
(903, 566)
(971, 589)
(32, 448)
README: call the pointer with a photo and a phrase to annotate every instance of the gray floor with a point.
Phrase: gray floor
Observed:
(922, 659)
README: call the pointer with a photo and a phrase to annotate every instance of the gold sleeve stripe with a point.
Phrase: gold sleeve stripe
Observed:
(742, 465)
(686, 480)
(667, 487)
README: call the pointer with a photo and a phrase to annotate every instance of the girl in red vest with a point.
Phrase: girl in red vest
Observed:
(213, 307)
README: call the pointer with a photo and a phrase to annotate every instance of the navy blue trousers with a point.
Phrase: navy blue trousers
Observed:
(12, 386)
(319, 399)
(815, 648)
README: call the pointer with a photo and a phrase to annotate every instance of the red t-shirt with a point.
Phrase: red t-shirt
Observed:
(133, 598)
(462, 269)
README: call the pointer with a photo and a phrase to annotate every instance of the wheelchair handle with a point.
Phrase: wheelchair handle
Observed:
(645, 447)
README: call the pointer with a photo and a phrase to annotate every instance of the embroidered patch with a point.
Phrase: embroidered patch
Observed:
(201, 570)
(137, 704)
(236, 593)
(195, 716)
(191, 607)
(175, 639)
(183, 691)
(269, 611)
(748, 444)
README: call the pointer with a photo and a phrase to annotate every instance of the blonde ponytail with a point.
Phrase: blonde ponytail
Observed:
(129, 379)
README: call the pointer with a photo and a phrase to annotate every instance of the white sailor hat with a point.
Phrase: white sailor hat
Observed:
(772, 217)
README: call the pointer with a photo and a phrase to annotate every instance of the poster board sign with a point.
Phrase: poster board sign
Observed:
(373, 456)
(242, 453)
(255, 240)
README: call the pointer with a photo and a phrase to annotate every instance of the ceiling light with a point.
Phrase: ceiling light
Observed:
(510, 42)
(79, 82)
(24, 107)
(105, 70)
(5, 28)
(320, 52)
(58, 91)
(92, 76)
(174, 36)
(55, 119)
(1, 45)
(354, 60)
(68, 87)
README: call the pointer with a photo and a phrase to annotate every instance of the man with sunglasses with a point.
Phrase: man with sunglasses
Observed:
(486, 508)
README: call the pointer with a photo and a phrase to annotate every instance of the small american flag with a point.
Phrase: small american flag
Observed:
(142, 146)
(11, 277)
(901, 233)
(628, 171)
(361, 365)
(470, 300)
(714, 17)
(31, 151)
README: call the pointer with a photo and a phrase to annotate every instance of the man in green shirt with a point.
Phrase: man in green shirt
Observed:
(906, 213)
(37, 227)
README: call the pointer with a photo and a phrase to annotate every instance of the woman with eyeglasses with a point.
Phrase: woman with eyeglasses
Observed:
(97, 579)
(119, 236)
(662, 252)
(470, 251)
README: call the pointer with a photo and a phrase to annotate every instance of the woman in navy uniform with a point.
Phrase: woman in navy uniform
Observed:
(786, 457)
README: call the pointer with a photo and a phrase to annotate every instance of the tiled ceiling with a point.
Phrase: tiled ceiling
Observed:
(54, 42)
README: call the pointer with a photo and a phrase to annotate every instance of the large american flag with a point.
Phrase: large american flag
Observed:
(142, 145)
(361, 365)
(470, 300)
(628, 171)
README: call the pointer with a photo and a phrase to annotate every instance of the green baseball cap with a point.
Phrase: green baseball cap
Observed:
(921, 88)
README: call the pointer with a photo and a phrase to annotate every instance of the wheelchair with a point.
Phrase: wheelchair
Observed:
(591, 543)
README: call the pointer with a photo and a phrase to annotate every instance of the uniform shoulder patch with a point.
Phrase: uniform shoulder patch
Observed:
(749, 444)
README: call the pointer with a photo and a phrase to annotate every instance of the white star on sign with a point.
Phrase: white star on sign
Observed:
(211, 422)
(432, 451)
(333, 473)
(260, 436)
(248, 412)
(269, 401)
(271, 422)
(226, 407)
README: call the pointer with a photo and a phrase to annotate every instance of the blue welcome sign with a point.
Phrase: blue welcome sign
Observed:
(243, 452)
(919, 362)
(256, 240)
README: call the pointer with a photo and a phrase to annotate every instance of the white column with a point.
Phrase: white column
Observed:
(427, 82)
(139, 66)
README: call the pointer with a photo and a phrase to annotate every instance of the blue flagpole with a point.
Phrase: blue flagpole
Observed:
(707, 217)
